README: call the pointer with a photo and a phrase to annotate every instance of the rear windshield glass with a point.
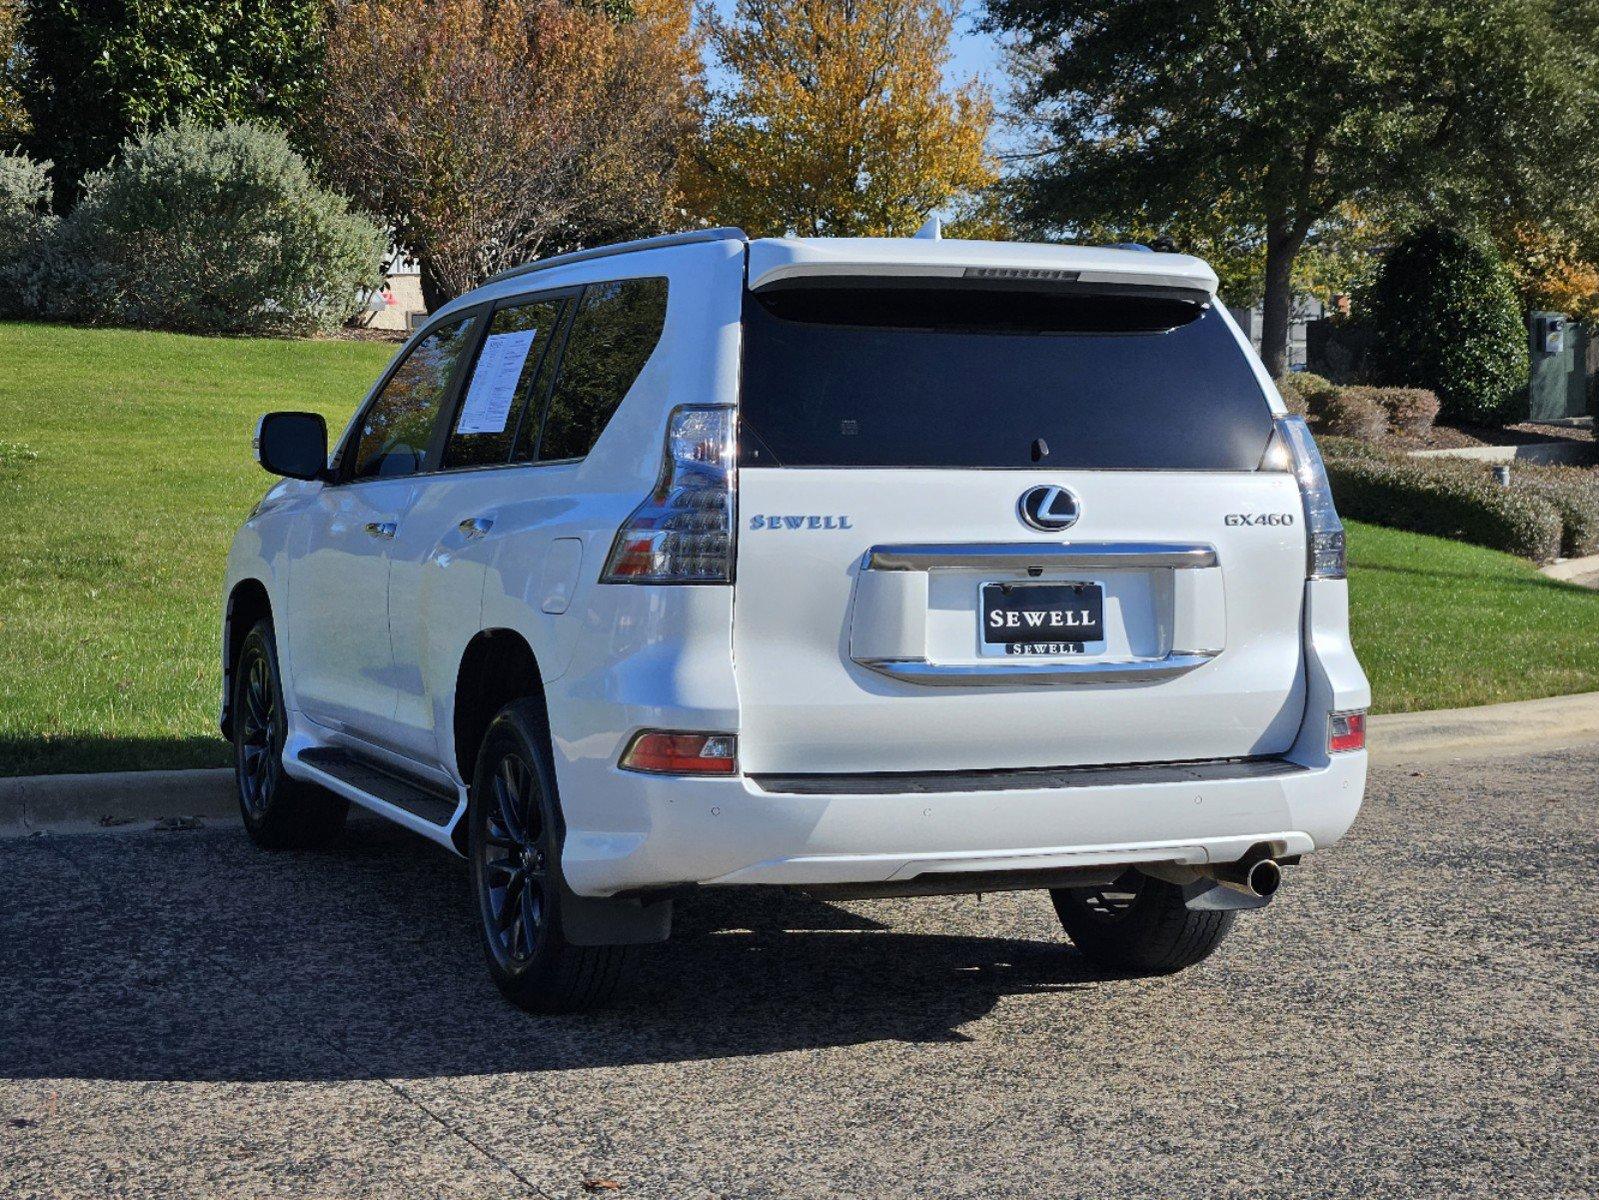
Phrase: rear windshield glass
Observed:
(950, 377)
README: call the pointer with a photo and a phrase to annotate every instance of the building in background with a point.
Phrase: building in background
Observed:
(398, 305)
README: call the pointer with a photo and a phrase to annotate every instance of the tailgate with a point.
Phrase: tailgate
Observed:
(859, 617)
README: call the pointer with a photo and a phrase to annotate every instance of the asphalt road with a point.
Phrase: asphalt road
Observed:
(1417, 1015)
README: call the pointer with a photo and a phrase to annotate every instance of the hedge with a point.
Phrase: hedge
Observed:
(1354, 414)
(1293, 399)
(1453, 500)
(1315, 389)
(1573, 492)
(1411, 411)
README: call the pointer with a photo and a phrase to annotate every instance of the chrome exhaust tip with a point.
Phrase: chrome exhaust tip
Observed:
(1264, 877)
(1260, 877)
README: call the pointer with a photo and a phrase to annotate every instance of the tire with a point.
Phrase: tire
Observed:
(514, 837)
(279, 812)
(1139, 925)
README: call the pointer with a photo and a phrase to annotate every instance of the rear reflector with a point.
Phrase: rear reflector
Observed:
(1346, 731)
(663, 753)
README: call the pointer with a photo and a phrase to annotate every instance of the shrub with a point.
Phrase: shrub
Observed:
(1333, 446)
(1352, 414)
(1444, 315)
(59, 278)
(24, 204)
(1316, 390)
(1292, 397)
(213, 231)
(1410, 411)
(1573, 492)
(1453, 500)
(26, 228)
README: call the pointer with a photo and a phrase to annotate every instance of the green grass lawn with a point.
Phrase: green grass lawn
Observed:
(125, 468)
(113, 538)
(1440, 624)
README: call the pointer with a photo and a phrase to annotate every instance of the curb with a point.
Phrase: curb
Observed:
(114, 799)
(1518, 727)
(1566, 451)
(172, 799)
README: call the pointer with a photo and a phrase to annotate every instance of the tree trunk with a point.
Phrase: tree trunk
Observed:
(1282, 247)
(434, 293)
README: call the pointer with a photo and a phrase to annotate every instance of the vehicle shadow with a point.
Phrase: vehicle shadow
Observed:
(70, 753)
(193, 956)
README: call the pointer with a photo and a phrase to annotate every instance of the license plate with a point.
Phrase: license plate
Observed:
(1042, 618)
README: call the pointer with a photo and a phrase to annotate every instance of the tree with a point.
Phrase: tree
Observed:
(488, 132)
(1551, 271)
(1268, 115)
(98, 71)
(835, 120)
(1446, 317)
(13, 116)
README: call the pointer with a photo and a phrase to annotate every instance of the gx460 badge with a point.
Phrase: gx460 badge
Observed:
(1259, 518)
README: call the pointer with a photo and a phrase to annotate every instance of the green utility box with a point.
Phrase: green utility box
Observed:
(1558, 387)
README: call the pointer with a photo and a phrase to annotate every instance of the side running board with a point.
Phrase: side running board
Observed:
(433, 805)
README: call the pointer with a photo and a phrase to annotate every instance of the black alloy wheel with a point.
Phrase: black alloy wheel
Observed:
(514, 835)
(260, 734)
(514, 856)
(278, 810)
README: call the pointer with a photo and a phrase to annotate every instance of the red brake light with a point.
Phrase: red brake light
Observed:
(1346, 731)
(682, 753)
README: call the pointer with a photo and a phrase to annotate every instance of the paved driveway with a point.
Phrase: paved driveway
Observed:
(1417, 1015)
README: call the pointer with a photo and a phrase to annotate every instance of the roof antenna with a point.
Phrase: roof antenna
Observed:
(932, 229)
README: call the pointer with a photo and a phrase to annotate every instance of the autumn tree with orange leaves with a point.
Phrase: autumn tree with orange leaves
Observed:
(836, 120)
(1551, 271)
(489, 132)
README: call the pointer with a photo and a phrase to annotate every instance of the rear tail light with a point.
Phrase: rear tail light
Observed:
(1346, 731)
(683, 532)
(662, 753)
(1293, 449)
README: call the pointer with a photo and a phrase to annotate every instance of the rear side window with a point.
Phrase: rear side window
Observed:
(613, 334)
(504, 386)
(962, 377)
(398, 426)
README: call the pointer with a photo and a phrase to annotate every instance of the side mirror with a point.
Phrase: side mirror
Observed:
(293, 444)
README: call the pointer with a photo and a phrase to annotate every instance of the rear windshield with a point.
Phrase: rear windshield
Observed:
(951, 377)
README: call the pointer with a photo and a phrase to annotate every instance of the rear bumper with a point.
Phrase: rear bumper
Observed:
(723, 832)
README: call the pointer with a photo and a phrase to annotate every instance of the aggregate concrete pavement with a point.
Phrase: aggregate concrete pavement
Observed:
(1417, 1015)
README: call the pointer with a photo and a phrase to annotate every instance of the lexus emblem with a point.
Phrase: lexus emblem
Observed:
(1048, 507)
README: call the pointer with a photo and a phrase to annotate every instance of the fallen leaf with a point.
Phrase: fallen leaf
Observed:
(601, 1185)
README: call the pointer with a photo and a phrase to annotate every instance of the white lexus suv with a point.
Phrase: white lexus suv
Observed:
(865, 567)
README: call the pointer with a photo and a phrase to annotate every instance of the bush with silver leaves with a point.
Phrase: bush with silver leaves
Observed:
(213, 231)
(26, 227)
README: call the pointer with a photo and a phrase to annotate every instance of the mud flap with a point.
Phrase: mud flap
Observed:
(591, 921)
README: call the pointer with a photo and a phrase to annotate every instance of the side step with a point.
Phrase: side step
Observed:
(432, 805)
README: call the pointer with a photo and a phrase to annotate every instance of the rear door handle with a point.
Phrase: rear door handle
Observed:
(475, 527)
(382, 529)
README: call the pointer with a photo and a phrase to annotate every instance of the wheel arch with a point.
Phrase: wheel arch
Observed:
(248, 603)
(497, 666)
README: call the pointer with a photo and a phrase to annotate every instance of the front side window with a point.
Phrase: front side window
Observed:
(397, 429)
(505, 381)
(613, 334)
